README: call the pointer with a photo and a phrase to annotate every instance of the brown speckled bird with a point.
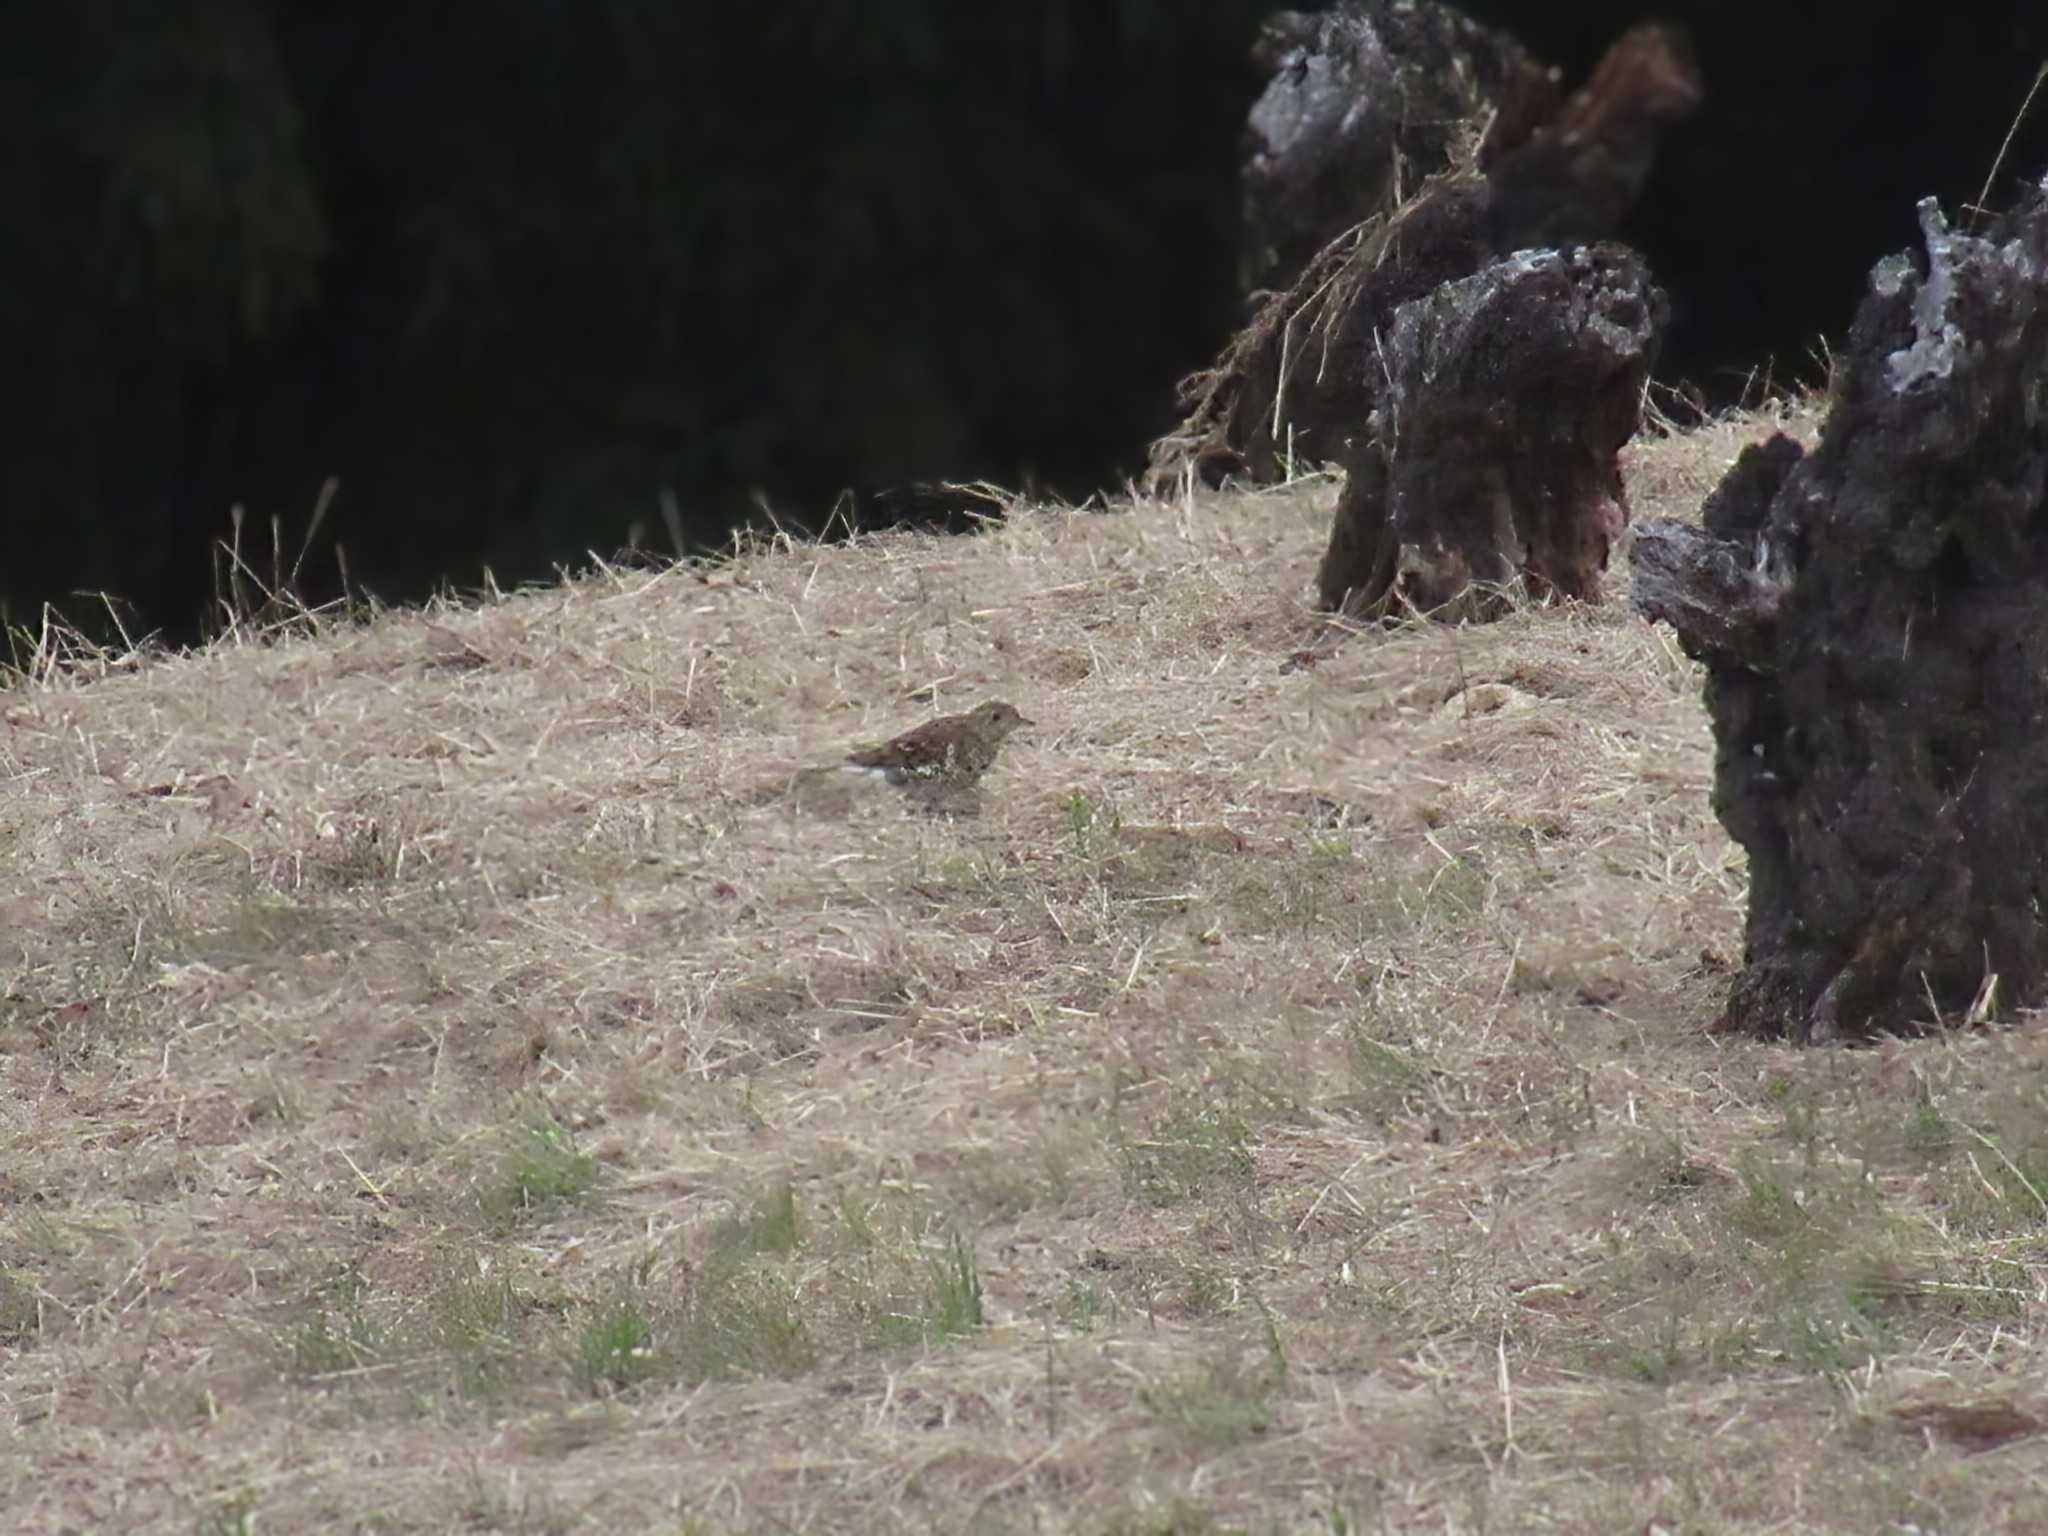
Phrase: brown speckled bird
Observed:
(953, 750)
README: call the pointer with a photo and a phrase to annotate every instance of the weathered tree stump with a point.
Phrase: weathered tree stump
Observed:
(1298, 383)
(1874, 621)
(1301, 379)
(1488, 467)
(1362, 102)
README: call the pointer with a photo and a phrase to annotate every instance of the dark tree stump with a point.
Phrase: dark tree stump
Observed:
(1362, 103)
(1298, 383)
(1874, 621)
(1576, 176)
(1490, 462)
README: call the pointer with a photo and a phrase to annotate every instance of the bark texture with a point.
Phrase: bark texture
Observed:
(1488, 469)
(1363, 101)
(1297, 384)
(1874, 621)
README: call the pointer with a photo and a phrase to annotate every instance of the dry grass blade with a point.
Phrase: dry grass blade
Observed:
(2026, 105)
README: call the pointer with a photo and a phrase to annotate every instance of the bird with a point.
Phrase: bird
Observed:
(952, 751)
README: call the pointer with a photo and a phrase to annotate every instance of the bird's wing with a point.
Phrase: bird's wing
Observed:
(916, 748)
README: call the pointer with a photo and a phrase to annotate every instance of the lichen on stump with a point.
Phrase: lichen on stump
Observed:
(1873, 616)
(1489, 465)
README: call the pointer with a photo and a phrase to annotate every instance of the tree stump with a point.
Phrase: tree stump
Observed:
(1298, 383)
(1489, 467)
(1874, 621)
(1361, 99)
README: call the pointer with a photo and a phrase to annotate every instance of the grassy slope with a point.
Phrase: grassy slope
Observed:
(445, 1086)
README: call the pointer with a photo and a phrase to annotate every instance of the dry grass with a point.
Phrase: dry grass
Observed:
(447, 1087)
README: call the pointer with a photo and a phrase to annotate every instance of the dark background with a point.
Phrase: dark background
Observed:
(512, 269)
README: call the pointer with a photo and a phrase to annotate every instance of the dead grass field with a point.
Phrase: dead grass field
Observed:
(446, 1087)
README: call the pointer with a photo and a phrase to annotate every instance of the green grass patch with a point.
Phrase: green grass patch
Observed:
(1197, 1148)
(1384, 1074)
(475, 1330)
(336, 1333)
(617, 1340)
(1657, 1168)
(261, 928)
(539, 1168)
(21, 1310)
(911, 1290)
(741, 1310)
(769, 1224)
(1087, 1303)
(953, 1302)
(1797, 1264)
(1228, 1399)
(1179, 1517)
